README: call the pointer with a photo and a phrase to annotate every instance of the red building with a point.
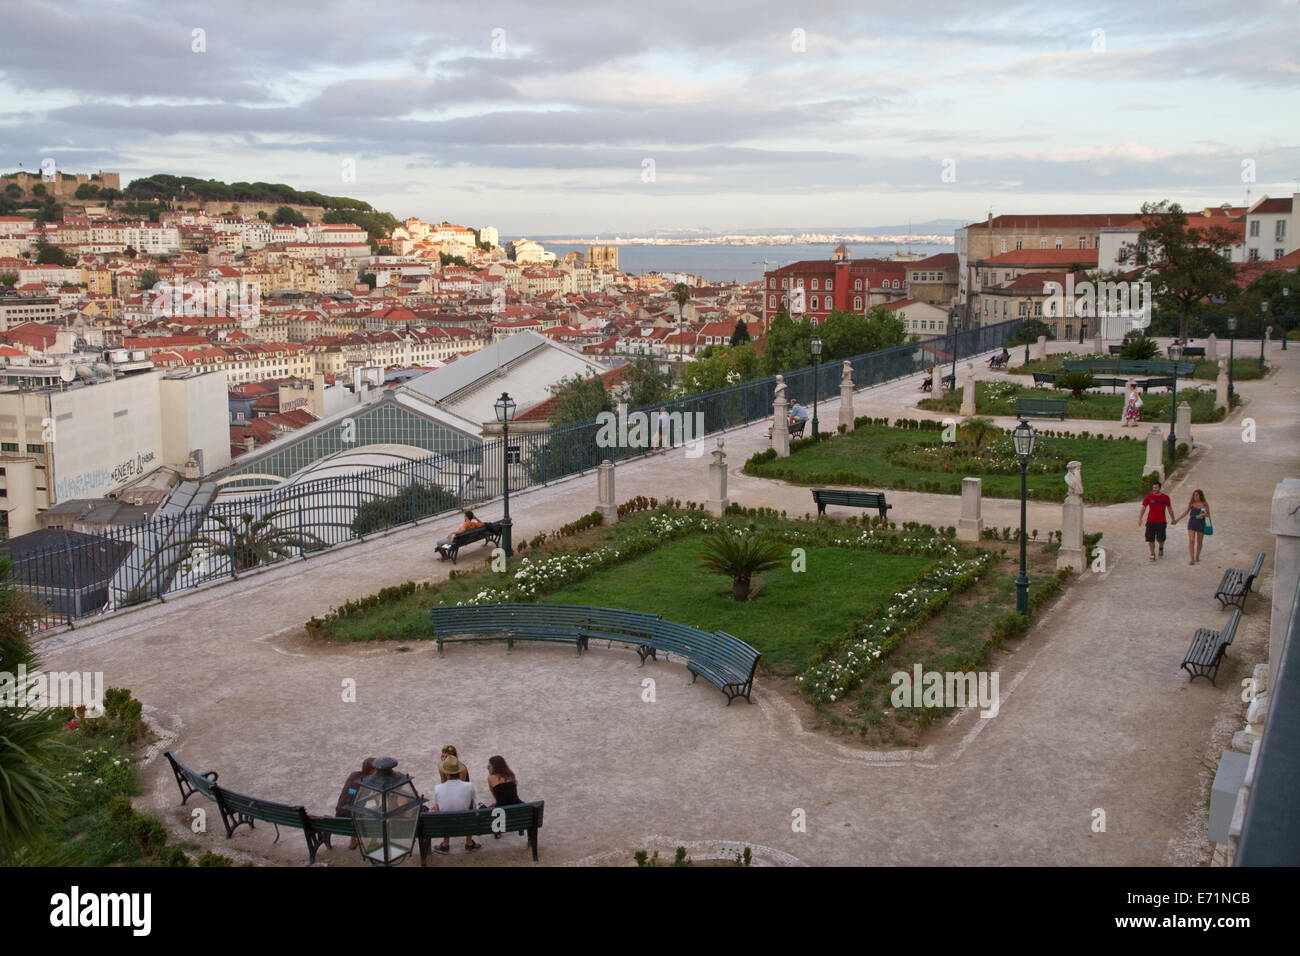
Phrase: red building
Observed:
(849, 285)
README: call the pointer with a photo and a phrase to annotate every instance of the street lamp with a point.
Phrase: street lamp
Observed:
(1263, 323)
(1175, 353)
(1286, 291)
(1023, 439)
(386, 814)
(952, 324)
(816, 346)
(505, 409)
(1232, 354)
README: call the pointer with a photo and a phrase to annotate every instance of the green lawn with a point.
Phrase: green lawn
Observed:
(1243, 368)
(790, 614)
(1112, 468)
(999, 398)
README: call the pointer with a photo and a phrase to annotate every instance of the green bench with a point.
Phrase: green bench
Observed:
(1041, 408)
(1043, 378)
(1207, 650)
(850, 499)
(1128, 366)
(553, 623)
(726, 662)
(1236, 584)
(238, 810)
(191, 782)
(1193, 351)
(489, 532)
(525, 818)
(720, 658)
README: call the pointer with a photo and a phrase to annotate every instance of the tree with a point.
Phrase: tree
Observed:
(247, 540)
(1030, 330)
(8, 278)
(86, 191)
(31, 796)
(977, 430)
(719, 366)
(1138, 348)
(49, 255)
(284, 216)
(38, 189)
(646, 385)
(579, 399)
(740, 556)
(369, 279)
(148, 279)
(741, 333)
(681, 295)
(1076, 382)
(1185, 265)
(13, 191)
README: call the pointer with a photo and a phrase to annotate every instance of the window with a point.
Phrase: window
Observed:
(35, 449)
(1038, 308)
(1083, 244)
(771, 302)
(785, 283)
(857, 285)
(830, 284)
(1096, 242)
(814, 300)
(1278, 253)
(1023, 311)
(1254, 228)
(814, 285)
(857, 303)
(1279, 232)
(1058, 242)
(1069, 330)
(1254, 255)
(798, 283)
(1042, 243)
(932, 325)
(513, 454)
(1019, 244)
(771, 283)
(1004, 245)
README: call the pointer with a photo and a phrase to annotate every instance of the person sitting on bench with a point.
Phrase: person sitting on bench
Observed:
(927, 383)
(999, 361)
(444, 545)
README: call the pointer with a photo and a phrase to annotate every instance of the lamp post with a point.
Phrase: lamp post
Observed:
(505, 409)
(1023, 439)
(386, 814)
(816, 347)
(952, 324)
(1263, 323)
(1175, 353)
(1232, 354)
(1286, 292)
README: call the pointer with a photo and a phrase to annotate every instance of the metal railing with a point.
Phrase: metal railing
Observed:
(1270, 835)
(89, 574)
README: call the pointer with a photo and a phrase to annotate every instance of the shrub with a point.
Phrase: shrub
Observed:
(1137, 347)
(1076, 382)
(591, 520)
(740, 556)
(214, 859)
(412, 502)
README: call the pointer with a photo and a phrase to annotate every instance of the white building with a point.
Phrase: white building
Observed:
(1271, 228)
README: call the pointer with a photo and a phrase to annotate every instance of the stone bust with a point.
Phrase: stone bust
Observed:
(1074, 480)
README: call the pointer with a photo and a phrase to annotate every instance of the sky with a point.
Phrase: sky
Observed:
(600, 118)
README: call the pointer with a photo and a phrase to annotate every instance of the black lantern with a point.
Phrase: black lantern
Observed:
(1023, 439)
(386, 814)
(1175, 353)
(1232, 355)
(1263, 325)
(505, 409)
(816, 346)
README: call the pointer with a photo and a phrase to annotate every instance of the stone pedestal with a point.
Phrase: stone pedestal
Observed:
(1212, 348)
(1155, 452)
(846, 397)
(968, 392)
(718, 501)
(606, 504)
(971, 526)
(1039, 350)
(1221, 385)
(1183, 424)
(1284, 524)
(780, 421)
(1098, 345)
(1072, 554)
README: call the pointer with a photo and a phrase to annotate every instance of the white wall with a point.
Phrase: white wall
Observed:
(106, 435)
(195, 415)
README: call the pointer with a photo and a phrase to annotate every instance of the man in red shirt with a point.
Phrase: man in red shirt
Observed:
(1160, 506)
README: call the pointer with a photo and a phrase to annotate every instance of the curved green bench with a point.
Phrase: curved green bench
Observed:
(723, 660)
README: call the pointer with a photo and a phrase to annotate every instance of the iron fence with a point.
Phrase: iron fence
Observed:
(78, 575)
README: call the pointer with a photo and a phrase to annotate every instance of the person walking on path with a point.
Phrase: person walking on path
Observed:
(1132, 406)
(1160, 506)
(1199, 509)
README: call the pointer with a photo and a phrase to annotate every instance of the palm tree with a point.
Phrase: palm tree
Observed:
(247, 540)
(977, 429)
(681, 295)
(31, 797)
(740, 556)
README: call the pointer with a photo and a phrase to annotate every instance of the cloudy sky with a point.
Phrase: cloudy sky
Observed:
(586, 118)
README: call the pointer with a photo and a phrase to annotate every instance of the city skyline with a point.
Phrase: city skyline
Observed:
(727, 118)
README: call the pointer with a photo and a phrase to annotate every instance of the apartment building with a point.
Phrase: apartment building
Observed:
(1270, 229)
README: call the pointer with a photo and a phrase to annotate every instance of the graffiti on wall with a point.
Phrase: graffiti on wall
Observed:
(96, 481)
